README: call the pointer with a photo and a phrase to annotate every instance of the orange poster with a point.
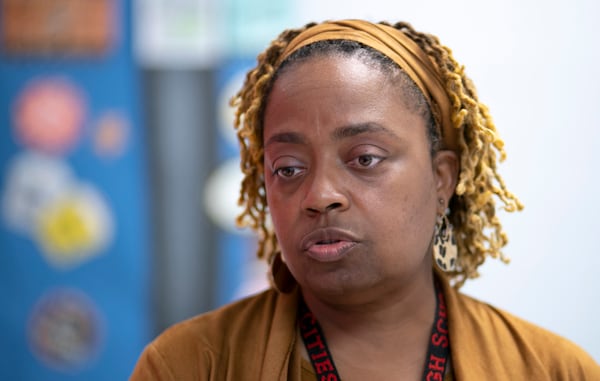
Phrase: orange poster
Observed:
(57, 27)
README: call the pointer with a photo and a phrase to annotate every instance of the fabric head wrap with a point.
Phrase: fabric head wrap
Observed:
(400, 49)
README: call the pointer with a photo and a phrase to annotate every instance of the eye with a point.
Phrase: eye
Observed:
(366, 161)
(287, 172)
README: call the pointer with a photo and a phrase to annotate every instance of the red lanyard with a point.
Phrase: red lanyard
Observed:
(322, 361)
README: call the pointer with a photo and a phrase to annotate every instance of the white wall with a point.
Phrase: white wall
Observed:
(536, 64)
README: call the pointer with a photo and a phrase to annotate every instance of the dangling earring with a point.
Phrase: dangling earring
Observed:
(445, 252)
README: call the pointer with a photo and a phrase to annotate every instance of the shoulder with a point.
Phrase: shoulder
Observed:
(209, 341)
(235, 319)
(499, 340)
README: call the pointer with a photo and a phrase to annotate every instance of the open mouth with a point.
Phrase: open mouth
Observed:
(328, 242)
(329, 250)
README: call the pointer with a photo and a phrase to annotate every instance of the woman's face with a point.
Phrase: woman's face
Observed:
(351, 186)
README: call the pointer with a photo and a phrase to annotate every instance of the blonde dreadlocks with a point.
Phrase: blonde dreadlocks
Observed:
(478, 231)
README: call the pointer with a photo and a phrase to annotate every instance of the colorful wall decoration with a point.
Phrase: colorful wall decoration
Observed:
(74, 233)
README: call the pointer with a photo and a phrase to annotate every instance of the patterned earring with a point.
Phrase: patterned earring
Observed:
(445, 252)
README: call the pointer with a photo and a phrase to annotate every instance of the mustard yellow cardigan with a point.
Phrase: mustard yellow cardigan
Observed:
(255, 339)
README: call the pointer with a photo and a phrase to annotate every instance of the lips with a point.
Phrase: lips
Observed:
(328, 244)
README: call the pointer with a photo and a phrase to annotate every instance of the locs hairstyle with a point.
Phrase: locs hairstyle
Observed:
(477, 229)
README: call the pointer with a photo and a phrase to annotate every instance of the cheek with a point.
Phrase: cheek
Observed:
(272, 195)
(280, 212)
(408, 213)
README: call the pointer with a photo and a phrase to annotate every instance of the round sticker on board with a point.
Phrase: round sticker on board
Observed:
(33, 181)
(221, 194)
(65, 330)
(49, 114)
(111, 134)
(75, 227)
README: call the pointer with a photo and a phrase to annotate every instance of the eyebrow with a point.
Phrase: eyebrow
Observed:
(286, 137)
(339, 133)
(357, 129)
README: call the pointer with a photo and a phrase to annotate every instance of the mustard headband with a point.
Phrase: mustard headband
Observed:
(400, 49)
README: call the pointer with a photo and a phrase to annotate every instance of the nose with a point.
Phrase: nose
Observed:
(325, 193)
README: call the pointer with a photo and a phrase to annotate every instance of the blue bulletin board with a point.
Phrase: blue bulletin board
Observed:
(74, 240)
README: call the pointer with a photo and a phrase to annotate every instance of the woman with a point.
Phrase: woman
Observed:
(366, 147)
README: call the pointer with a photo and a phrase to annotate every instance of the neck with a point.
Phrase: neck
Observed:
(389, 332)
(389, 309)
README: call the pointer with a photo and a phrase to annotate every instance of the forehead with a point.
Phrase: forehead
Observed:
(333, 90)
(328, 85)
(326, 69)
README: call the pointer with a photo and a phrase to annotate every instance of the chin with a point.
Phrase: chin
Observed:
(338, 283)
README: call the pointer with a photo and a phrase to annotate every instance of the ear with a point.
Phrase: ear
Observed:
(445, 168)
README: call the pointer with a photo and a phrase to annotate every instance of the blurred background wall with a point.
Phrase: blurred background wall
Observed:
(75, 196)
(119, 175)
